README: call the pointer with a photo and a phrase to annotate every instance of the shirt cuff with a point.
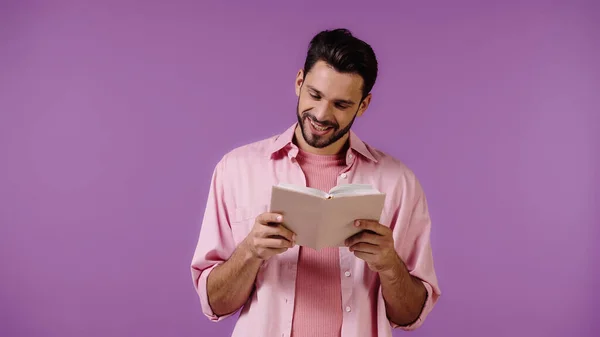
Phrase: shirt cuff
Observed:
(424, 312)
(203, 294)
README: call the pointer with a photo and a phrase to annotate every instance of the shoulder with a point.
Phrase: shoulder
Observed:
(247, 155)
(395, 171)
(388, 164)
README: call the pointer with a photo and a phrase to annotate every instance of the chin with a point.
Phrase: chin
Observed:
(316, 141)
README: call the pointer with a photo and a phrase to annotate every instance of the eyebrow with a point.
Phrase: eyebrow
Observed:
(343, 101)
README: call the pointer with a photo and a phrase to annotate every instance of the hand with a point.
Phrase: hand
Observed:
(375, 245)
(268, 237)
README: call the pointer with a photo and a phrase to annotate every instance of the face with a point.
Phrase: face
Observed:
(328, 103)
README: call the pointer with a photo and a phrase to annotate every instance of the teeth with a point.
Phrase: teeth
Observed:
(319, 128)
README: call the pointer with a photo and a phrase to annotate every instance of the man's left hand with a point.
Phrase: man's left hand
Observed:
(375, 245)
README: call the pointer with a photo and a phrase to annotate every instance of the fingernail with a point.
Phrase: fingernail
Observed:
(279, 217)
(356, 223)
(294, 237)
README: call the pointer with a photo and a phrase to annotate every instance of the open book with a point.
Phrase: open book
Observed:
(322, 219)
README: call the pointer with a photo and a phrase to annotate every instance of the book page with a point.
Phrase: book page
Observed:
(353, 189)
(340, 214)
(302, 213)
(303, 189)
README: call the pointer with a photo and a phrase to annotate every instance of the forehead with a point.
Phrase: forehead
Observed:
(333, 83)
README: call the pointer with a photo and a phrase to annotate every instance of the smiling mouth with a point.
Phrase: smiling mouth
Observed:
(319, 127)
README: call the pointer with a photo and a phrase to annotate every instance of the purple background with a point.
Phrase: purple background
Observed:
(112, 117)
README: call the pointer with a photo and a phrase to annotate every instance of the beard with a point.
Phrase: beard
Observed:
(321, 141)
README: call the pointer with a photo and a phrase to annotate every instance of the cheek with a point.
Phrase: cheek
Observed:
(343, 119)
(305, 104)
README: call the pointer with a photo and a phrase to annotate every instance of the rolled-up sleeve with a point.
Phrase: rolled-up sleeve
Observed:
(215, 243)
(414, 247)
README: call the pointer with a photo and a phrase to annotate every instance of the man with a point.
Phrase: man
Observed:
(245, 259)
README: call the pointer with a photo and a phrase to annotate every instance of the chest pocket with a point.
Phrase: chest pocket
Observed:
(242, 220)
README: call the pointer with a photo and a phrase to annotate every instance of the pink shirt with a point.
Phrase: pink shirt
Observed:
(241, 189)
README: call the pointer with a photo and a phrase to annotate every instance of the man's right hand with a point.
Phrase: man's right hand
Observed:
(229, 285)
(268, 237)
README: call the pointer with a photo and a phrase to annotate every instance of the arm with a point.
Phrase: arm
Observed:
(215, 244)
(404, 294)
(402, 257)
(224, 274)
(230, 284)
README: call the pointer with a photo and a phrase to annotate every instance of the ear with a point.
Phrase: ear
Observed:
(299, 81)
(364, 105)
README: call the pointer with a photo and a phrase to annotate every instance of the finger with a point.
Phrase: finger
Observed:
(278, 231)
(368, 258)
(278, 250)
(364, 236)
(268, 218)
(274, 243)
(363, 247)
(372, 226)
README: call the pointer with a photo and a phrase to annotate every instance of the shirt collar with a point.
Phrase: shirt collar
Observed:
(285, 139)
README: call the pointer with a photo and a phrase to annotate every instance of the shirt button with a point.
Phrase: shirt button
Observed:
(350, 156)
(347, 309)
(343, 175)
(347, 273)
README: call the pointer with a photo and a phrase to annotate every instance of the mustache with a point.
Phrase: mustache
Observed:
(324, 123)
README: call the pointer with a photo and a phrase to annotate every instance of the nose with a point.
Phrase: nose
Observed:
(322, 111)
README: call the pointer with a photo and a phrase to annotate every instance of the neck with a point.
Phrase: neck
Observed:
(331, 149)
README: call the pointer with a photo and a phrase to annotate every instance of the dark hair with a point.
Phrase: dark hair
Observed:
(345, 53)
